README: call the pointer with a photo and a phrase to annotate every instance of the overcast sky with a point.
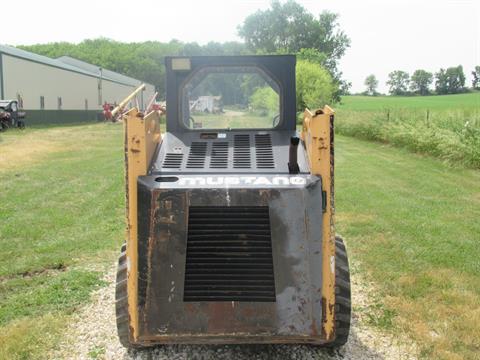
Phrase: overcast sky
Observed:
(386, 34)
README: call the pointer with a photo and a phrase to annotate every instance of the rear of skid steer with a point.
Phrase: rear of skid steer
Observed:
(226, 257)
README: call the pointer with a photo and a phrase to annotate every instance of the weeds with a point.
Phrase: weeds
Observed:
(451, 135)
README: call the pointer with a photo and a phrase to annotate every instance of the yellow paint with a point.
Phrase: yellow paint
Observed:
(316, 133)
(142, 136)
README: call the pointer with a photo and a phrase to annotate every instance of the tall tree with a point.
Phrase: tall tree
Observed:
(441, 82)
(289, 28)
(476, 78)
(371, 83)
(420, 82)
(315, 86)
(450, 81)
(398, 82)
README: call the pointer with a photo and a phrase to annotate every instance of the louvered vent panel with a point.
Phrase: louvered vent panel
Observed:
(219, 157)
(172, 161)
(264, 151)
(241, 151)
(229, 254)
(196, 157)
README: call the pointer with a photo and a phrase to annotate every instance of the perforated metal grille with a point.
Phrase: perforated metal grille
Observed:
(241, 151)
(229, 255)
(172, 161)
(264, 151)
(219, 157)
(197, 154)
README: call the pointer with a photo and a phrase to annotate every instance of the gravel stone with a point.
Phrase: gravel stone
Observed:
(92, 335)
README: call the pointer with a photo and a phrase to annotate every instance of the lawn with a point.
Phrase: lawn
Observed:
(61, 225)
(447, 127)
(410, 224)
(369, 103)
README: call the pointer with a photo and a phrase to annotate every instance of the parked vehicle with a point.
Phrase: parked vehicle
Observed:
(10, 115)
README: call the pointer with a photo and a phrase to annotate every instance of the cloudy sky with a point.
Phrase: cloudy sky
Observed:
(386, 34)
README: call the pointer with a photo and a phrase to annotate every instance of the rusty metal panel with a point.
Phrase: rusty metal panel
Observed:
(318, 133)
(296, 314)
(142, 137)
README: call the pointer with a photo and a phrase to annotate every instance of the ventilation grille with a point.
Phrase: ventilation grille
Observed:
(264, 151)
(196, 157)
(219, 158)
(241, 151)
(229, 254)
(172, 160)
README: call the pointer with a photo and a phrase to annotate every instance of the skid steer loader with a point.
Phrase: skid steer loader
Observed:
(230, 231)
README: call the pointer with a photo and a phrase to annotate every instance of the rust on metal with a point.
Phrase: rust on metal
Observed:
(318, 137)
(142, 136)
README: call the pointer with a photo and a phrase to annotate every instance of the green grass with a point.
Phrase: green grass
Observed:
(438, 102)
(31, 338)
(411, 223)
(38, 295)
(447, 127)
(234, 120)
(62, 223)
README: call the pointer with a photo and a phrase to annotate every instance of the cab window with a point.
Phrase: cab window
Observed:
(230, 97)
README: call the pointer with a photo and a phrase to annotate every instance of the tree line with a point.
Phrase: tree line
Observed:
(446, 81)
(284, 28)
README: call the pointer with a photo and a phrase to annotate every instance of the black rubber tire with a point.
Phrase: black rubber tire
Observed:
(121, 301)
(343, 302)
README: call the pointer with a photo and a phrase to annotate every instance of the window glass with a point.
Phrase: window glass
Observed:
(230, 98)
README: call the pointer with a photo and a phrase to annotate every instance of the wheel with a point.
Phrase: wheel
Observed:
(3, 126)
(121, 301)
(343, 303)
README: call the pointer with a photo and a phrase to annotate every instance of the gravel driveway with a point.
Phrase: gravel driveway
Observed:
(92, 335)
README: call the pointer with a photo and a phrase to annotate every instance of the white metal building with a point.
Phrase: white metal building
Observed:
(63, 89)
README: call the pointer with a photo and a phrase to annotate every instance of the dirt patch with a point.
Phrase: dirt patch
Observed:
(47, 270)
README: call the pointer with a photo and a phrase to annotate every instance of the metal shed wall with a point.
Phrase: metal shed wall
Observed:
(81, 99)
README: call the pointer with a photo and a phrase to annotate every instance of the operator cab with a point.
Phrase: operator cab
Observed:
(229, 115)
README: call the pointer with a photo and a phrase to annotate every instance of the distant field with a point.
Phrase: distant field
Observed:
(458, 101)
(447, 127)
